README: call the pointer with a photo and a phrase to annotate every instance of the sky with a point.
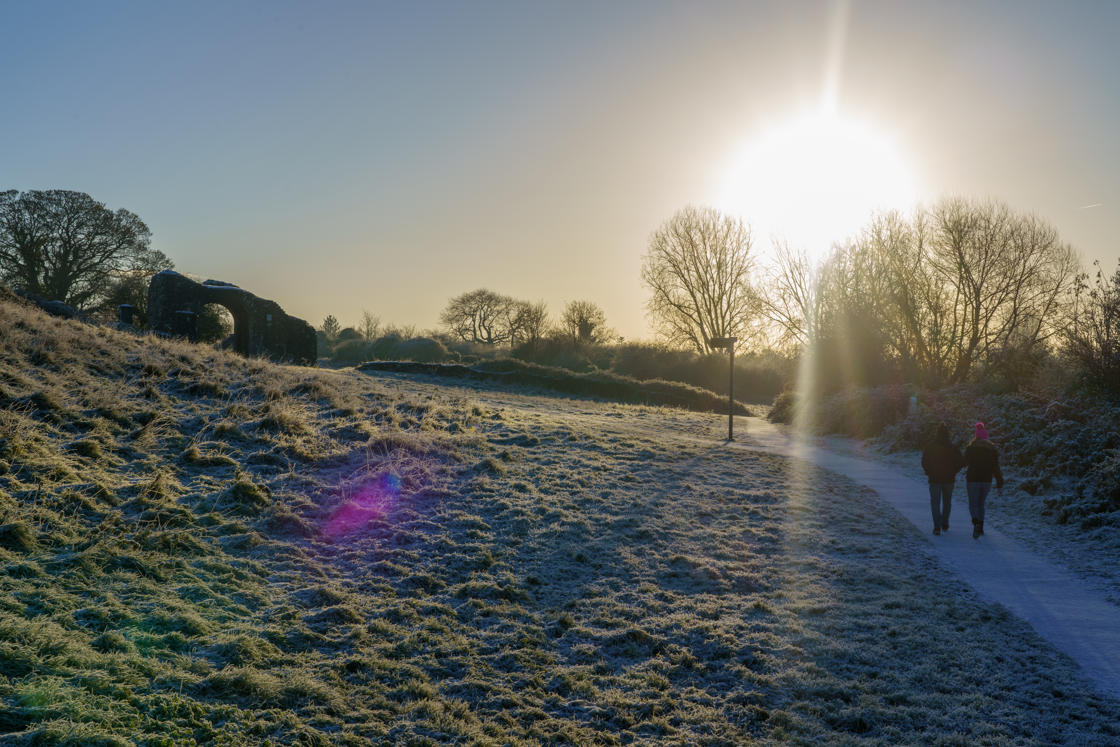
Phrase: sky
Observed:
(345, 156)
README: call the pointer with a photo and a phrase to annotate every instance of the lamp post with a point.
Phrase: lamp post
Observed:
(729, 343)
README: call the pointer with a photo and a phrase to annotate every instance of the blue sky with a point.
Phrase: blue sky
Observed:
(346, 156)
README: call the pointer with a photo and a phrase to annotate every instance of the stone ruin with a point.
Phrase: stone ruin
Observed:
(260, 326)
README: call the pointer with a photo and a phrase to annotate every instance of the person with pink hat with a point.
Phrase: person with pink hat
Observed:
(981, 459)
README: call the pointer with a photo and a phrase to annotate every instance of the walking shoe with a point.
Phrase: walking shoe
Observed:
(945, 527)
(976, 531)
(937, 530)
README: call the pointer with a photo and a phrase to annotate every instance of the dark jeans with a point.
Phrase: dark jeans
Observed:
(940, 501)
(977, 494)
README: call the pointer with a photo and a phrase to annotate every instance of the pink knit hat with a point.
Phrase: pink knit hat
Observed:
(981, 432)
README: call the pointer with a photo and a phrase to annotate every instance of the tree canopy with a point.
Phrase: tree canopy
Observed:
(584, 321)
(958, 284)
(491, 318)
(66, 246)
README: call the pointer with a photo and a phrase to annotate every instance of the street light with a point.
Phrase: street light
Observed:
(729, 343)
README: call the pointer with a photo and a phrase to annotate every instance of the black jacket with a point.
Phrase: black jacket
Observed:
(941, 461)
(982, 459)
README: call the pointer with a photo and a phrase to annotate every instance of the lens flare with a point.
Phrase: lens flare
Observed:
(373, 501)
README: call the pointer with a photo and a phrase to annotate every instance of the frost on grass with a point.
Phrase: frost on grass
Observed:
(243, 553)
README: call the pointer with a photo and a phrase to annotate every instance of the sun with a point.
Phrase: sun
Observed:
(815, 180)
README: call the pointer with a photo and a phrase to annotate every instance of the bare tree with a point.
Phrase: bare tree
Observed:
(957, 284)
(66, 246)
(370, 325)
(1009, 277)
(698, 269)
(791, 298)
(1093, 336)
(585, 322)
(479, 316)
(527, 322)
(890, 277)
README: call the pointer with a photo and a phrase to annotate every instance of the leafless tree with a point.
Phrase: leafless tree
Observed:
(1092, 338)
(369, 326)
(66, 246)
(129, 287)
(699, 270)
(479, 316)
(790, 301)
(585, 322)
(957, 284)
(887, 274)
(527, 322)
(1009, 278)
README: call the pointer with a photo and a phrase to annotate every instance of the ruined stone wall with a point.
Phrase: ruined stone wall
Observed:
(260, 326)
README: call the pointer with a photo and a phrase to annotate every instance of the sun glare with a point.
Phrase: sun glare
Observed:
(816, 179)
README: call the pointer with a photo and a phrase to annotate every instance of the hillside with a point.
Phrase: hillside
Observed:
(202, 549)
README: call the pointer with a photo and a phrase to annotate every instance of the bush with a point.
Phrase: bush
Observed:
(422, 350)
(862, 413)
(353, 351)
(757, 378)
(323, 344)
(559, 352)
(782, 411)
(384, 347)
(393, 347)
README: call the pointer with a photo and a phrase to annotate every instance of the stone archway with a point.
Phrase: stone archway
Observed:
(260, 326)
(216, 325)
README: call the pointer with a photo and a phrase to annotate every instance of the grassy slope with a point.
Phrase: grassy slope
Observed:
(176, 569)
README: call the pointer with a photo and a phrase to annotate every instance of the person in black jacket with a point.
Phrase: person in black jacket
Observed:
(982, 460)
(941, 461)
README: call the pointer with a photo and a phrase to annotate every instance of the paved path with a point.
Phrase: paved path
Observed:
(1059, 605)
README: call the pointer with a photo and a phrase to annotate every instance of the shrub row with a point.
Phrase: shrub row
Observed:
(598, 384)
(392, 347)
(757, 378)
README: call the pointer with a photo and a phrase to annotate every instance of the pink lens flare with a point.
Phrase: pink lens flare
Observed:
(373, 501)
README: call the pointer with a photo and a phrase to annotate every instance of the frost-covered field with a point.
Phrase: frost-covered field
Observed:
(201, 549)
(812, 613)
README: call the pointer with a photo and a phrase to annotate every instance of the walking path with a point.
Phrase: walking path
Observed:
(1059, 605)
